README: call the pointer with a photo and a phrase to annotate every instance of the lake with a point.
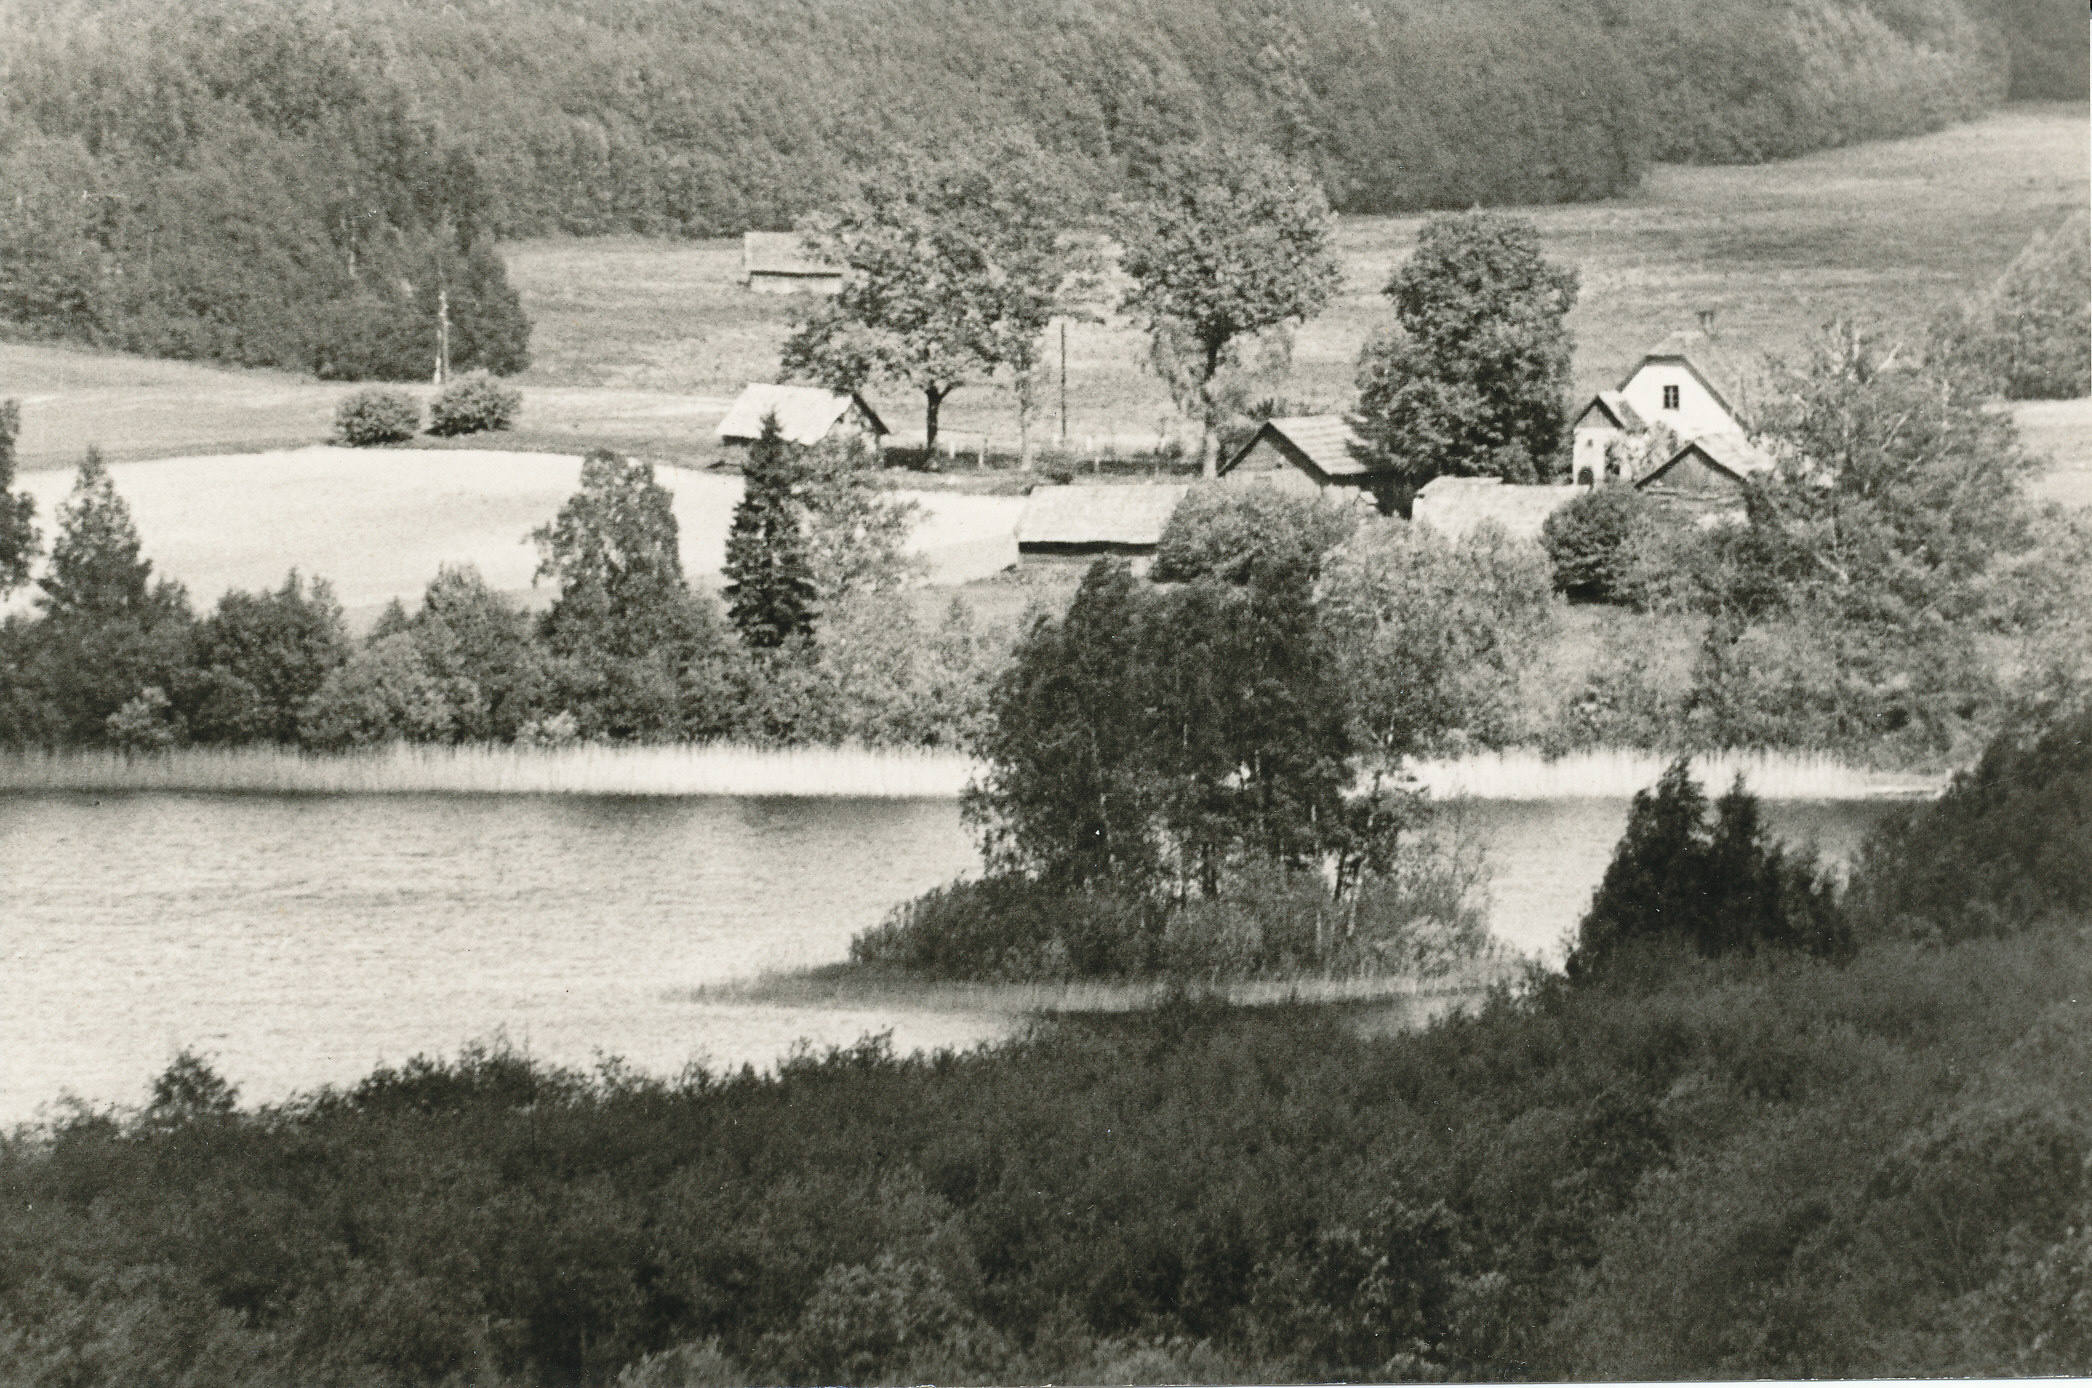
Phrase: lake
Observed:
(302, 940)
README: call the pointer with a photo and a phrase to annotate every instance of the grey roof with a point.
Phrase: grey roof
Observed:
(805, 414)
(1131, 516)
(1455, 505)
(1324, 440)
(1732, 453)
(1704, 358)
(780, 253)
(1615, 404)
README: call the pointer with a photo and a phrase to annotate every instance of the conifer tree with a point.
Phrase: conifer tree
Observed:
(96, 571)
(770, 588)
(18, 536)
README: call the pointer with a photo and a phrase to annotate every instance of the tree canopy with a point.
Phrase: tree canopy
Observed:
(1473, 380)
(770, 592)
(19, 539)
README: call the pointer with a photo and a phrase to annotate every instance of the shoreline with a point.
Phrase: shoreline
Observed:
(739, 770)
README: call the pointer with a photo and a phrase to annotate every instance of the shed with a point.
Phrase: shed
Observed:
(1303, 453)
(1453, 506)
(1706, 472)
(806, 415)
(776, 262)
(1097, 519)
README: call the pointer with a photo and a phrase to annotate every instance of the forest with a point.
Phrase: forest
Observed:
(296, 183)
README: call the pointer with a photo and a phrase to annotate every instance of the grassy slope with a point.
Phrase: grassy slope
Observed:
(638, 343)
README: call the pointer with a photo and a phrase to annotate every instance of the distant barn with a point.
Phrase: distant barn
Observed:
(776, 262)
(1097, 519)
(806, 415)
(1309, 454)
(1453, 506)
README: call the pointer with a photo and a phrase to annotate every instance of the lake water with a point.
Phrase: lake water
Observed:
(303, 940)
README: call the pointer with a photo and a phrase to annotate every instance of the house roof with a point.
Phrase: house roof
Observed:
(780, 253)
(1322, 441)
(1455, 505)
(1131, 516)
(1702, 356)
(1732, 454)
(1614, 404)
(805, 414)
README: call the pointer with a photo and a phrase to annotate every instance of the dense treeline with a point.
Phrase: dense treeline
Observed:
(240, 183)
(706, 119)
(1739, 1162)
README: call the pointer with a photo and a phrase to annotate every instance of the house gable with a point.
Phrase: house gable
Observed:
(1693, 472)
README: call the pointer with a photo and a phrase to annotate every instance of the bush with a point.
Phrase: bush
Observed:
(1230, 531)
(376, 416)
(2004, 848)
(474, 404)
(1589, 542)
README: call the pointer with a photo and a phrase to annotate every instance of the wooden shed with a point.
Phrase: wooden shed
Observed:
(1310, 454)
(776, 262)
(806, 415)
(1706, 474)
(1097, 519)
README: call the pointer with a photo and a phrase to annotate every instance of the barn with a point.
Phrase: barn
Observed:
(806, 415)
(1453, 506)
(1100, 519)
(1309, 454)
(1706, 474)
(776, 262)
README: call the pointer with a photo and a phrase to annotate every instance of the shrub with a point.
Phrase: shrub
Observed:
(1589, 541)
(376, 416)
(1231, 531)
(2004, 848)
(473, 404)
(1717, 888)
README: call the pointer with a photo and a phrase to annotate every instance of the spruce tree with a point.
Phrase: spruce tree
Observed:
(18, 537)
(96, 571)
(770, 587)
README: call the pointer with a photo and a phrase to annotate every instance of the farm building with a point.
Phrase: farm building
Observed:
(1310, 454)
(1097, 519)
(806, 415)
(1455, 505)
(1705, 474)
(1683, 386)
(775, 262)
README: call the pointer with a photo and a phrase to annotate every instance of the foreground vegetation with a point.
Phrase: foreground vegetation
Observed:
(1698, 1157)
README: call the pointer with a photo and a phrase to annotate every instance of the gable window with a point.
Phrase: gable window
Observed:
(1670, 397)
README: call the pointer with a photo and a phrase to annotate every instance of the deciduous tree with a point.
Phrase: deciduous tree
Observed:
(1230, 243)
(1473, 380)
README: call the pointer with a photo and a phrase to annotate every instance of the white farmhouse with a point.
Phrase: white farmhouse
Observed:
(1678, 386)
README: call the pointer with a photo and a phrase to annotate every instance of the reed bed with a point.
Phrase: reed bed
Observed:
(680, 769)
(721, 768)
(1616, 774)
(849, 985)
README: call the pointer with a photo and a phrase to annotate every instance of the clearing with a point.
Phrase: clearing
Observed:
(639, 344)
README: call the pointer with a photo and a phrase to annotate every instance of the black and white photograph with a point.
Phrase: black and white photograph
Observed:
(726, 693)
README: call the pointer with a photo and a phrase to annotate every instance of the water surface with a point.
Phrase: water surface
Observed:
(302, 940)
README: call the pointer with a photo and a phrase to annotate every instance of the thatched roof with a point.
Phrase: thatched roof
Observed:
(1076, 518)
(805, 414)
(1321, 441)
(1455, 505)
(780, 253)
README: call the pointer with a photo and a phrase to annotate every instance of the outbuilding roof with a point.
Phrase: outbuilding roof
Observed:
(1322, 441)
(1455, 505)
(1102, 517)
(805, 414)
(780, 253)
(1733, 454)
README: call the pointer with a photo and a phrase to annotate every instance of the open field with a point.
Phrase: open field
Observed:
(639, 343)
(377, 523)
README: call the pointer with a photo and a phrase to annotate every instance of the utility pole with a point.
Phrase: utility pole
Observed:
(442, 336)
(1064, 385)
